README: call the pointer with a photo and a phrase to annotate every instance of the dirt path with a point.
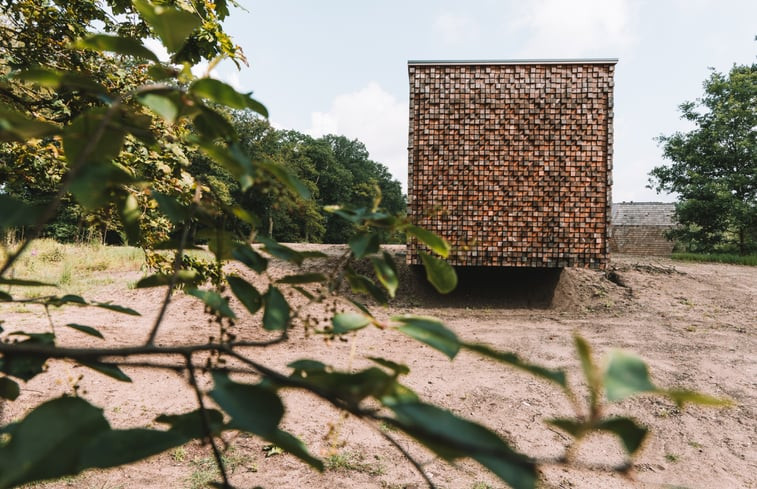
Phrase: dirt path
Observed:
(695, 324)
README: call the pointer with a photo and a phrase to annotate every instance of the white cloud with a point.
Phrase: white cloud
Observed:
(558, 28)
(376, 118)
(455, 28)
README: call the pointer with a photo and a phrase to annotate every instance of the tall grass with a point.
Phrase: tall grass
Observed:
(730, 258)
(75, 268)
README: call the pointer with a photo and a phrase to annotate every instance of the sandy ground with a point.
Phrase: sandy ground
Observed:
(695, 324)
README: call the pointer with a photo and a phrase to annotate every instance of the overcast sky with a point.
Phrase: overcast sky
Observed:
(340, 66)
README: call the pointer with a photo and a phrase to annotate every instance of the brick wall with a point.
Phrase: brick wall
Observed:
(640, 240)
(511, 162)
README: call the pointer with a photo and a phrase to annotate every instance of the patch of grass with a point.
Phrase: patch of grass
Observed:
(75, 267)
(179, 454)
(672, 457)
(65, 481)
(352, 462)
(730, 258)
(205, 469)
(481, 485)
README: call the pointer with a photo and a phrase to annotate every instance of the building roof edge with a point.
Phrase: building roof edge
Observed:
(575, 61)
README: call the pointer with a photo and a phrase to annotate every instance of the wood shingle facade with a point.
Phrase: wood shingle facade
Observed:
(511, 161)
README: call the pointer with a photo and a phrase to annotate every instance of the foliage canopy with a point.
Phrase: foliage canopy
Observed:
(714, 166)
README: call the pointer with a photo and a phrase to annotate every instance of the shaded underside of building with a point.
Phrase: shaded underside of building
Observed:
(511, 161)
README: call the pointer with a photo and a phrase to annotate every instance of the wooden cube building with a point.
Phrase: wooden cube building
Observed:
(511, 161)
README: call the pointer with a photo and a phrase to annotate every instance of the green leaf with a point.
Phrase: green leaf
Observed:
(351, 388)
(631, 434)
(360, 284)
(191, 425)
(252, 408)
(233, 159)
(225, 94)
(681, 397)
(246, 293)
(307, 254)
(626, 375)
(72, 299)
(85, 329)
(26, 367)
(130, 214)
(47, 443)
(171, 208)
(9, 389)
(364, 244)
(277, 311)
(437, 244)
(57, 80)
(24, 283)
(306, 365)
(214, 301)
(386, 272)
(251, 258)
(287, 178)
(220, 242)
(16, 213)
(280, 251)
(172, 26)
(441, 275)
(108, 369)
(452, 437)
(360, 306)
(160, 72)
(114, 448)
(431, 332)
(19, 128)
(349, 321)
(591, 372)
(303, 278)
(553, 375)
(577, 429)
(305, 293)
(115, 308)
(212, 125)
(94, 183)
(397, 368)
(293, 445)
(82, 144)
(161, 279)
(124, 46)
(166, 107)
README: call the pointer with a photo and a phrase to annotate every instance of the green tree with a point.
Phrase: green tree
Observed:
(714, 166)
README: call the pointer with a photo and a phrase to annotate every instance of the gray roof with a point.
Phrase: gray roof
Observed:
(574, 61)
(643, 214)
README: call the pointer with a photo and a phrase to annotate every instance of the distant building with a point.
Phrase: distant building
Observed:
(511, 161)
(639, 228)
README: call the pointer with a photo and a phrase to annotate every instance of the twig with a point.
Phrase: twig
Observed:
(206, 420)
(406, 454)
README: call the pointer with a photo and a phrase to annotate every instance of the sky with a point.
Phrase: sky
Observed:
(340, 66)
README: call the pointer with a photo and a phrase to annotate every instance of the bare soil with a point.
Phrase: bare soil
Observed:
(694, 324)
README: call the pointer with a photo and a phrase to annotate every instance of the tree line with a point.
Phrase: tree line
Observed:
(336, 171)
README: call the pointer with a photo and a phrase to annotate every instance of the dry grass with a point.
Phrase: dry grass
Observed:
(77, 269)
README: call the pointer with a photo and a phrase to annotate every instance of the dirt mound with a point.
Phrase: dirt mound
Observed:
(566, 290)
